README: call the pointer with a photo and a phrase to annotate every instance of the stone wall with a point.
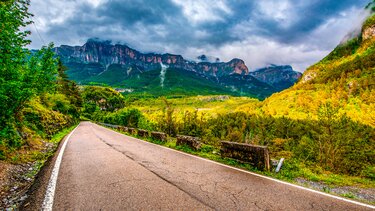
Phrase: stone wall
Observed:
(132, 131)
(123, 129)
(257, 156)
(192, 142)
(159, 136)
(143, 133)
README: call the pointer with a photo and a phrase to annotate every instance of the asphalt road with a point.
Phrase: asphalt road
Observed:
(104, 170)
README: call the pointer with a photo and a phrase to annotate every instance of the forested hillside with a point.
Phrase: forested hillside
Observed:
(37, 99)
(345, 79)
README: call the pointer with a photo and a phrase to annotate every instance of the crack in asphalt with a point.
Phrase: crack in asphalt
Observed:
(148, 165)
(154, 172)
(258, 206)
(207, 193)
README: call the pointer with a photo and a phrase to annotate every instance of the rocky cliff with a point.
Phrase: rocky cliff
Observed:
(280, 77)
(113, 64)
(106, 54)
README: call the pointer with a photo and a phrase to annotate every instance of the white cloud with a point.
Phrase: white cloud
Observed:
(204, 10)
(328, 35)
(257, 52)
(95, 3)
(278, 10)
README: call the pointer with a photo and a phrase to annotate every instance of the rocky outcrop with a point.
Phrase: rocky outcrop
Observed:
(368, 33)
(106, 54)
(280, 77)
(308, 76)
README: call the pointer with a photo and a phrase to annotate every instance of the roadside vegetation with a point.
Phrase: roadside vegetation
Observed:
(37, 99)
(330, 144)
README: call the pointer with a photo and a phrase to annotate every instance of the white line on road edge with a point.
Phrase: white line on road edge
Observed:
(252, 173)
(50, 192)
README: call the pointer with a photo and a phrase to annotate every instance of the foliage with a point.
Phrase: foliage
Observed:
(345, 78)
(125, 117)
(332, 141)
(344, 49)
(19, 77)
(370, 21)
(32, 105)
(101, 99)
(70, 90)
(177, 82)
(167, 122)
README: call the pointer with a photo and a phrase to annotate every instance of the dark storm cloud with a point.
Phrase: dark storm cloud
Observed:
(175, 25)
(132, 12)
(306, 15)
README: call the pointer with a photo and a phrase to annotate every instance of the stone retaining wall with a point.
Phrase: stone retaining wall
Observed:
(192, 142)
(159, 136)
(123, 129)
(143, 133)
(132, 131)
(257, 156)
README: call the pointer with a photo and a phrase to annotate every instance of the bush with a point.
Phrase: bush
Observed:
(40, 118)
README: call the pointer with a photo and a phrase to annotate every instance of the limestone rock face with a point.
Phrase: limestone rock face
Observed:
(368, 33)
(280, 77)
(106, 54)
(113, 64)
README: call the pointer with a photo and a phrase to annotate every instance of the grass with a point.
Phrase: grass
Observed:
(348, 195)
(37, 155)
(60, 135)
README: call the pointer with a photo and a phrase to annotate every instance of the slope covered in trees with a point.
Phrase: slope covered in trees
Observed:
(36, 98)
(345, 79)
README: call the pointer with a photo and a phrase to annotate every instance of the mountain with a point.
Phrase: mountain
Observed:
(280, 77)
(344, 80)
(117, 65)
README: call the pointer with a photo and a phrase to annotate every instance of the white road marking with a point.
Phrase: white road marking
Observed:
(252, 173)
(50, 192)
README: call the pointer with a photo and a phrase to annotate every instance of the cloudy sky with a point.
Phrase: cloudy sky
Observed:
(261, 32)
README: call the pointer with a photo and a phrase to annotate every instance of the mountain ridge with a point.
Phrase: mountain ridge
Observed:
(90, 62)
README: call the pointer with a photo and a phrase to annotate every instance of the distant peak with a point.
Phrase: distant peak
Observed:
(98, 40)
(211, 59)
(236, 60)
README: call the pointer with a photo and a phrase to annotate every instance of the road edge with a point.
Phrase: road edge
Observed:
(51, 187)
(249, 172)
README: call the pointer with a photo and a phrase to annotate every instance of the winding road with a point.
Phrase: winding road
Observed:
(104, 170)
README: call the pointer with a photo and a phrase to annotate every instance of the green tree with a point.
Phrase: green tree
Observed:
(69, 89)
(167, 122)
(22, 76)
(13, 16)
